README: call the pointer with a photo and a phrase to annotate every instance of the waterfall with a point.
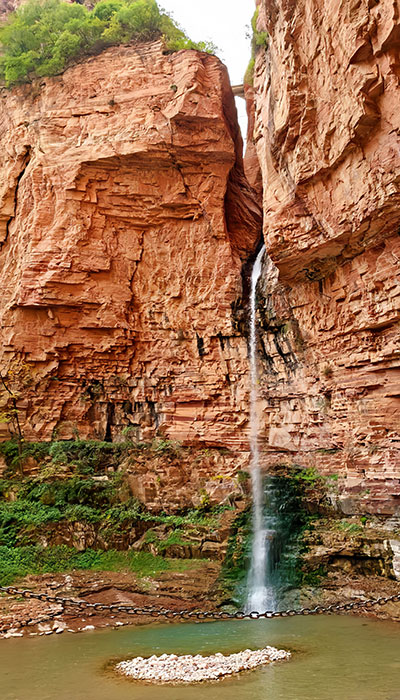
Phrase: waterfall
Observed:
(260, 594)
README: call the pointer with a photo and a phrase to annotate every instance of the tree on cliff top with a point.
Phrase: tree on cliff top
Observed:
(44, 37)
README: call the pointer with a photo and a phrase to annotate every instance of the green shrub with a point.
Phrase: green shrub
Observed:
(129, 512)
(26, 505)
(40, 503)
(349, 528)
(74, 491)
(10, 452)
(43, 37)
(174, 537)
(259, 40)
(308, 476)
(86, 456)
(164, 446)
(139, 20)
(234, 568)
(176, 39)
(18, 516)
(314, 578)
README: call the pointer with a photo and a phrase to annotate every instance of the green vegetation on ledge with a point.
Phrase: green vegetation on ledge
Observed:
(28, 506)
(259, 40)
(77, 497)
(18, 562)
(43, 37)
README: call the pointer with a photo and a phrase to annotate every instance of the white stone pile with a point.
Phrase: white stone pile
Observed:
(170, 668)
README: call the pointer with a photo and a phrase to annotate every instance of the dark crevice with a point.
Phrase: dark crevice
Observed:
(153, 412)
(200, 345)
(224, 341)
(110, 422)
(267, 358)
(93, 389)
(221, 340)
(25, 163)
(287, 357)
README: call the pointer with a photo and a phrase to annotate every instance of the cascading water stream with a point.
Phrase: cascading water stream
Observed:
(260, 595)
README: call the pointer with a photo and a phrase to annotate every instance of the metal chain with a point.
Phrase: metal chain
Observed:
(199, 615)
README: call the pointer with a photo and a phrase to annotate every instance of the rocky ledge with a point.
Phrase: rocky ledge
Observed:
(170, 668)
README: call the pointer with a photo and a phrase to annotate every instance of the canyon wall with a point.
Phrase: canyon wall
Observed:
(125, 219)
(128, 227)
(327, 121)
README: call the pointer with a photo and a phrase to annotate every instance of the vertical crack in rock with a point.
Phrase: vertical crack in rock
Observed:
(25, 162)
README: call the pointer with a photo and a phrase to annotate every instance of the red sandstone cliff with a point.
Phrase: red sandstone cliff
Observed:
(327, 123)
(125, 219)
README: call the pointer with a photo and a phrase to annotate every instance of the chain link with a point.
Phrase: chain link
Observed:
(197, 614)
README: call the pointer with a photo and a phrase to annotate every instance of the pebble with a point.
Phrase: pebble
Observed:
(59, 626)
(170, 668)
(44, 627)
(12, 633)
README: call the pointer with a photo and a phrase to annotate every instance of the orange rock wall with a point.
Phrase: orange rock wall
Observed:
(327, 123)
(125, 216)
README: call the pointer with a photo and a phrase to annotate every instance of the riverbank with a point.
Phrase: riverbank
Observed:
(192, 589)
(73, 525)
(174, 590)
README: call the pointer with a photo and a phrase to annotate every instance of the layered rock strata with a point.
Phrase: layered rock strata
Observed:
(327, 122)
(125, 218)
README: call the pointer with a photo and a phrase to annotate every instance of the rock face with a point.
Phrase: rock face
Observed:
(327, 122)
(7, 6)
(125, 218)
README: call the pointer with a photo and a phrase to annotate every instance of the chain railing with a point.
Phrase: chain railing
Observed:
(151, 611)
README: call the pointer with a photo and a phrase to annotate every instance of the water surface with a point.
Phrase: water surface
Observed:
(334, 658)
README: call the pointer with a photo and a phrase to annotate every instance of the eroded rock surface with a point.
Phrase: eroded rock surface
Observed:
(7, 6)
(125, 219)
(327, 120)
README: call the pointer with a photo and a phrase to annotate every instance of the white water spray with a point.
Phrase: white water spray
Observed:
(260, 596)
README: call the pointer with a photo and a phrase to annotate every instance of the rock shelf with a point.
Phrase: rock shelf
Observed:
(170, 668)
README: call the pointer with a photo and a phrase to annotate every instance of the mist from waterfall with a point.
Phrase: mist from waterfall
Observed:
(260, 595)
